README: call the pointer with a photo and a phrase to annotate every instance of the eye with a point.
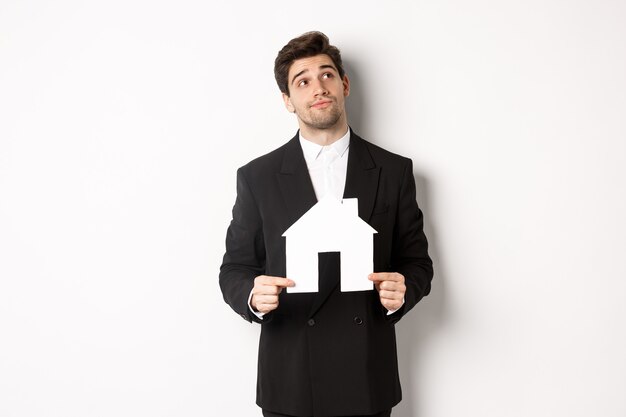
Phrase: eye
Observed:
(327, 75)
(302, 83)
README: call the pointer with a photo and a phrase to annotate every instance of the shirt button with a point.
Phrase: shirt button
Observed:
(358, 320)
(311, 322)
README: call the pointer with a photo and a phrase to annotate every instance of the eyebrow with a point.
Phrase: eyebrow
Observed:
(306, 70)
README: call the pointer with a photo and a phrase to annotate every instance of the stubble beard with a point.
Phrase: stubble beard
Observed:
(323, 119)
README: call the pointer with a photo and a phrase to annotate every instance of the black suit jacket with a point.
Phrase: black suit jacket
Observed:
(327, 353)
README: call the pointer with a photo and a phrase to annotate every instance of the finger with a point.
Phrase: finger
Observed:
(391, 305)
(266, 308)
(388, 285)
(266, 290)
(392, 286)
(390, 295)
(267, 299)
(286, 282)
(265, 304)
(385, 276)
(276, 281)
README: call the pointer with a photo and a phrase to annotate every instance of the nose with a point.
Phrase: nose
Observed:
(320, 89)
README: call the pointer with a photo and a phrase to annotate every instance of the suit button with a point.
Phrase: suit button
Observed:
(358, 320)
(311, 322)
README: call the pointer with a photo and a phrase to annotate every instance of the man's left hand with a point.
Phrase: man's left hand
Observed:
(390, 287)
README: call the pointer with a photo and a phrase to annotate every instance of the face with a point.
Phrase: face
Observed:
(317, 93)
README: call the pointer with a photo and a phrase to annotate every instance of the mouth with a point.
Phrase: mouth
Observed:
(322, 104)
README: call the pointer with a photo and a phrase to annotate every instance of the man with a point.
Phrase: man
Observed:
(329, 353)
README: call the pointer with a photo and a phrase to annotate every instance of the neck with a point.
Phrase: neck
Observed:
(326, 136)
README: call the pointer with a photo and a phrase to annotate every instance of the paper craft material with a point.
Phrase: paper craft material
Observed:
(330, 226)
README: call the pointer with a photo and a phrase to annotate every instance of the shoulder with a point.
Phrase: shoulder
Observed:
(383, 153)
(271, 161)
(380, 157)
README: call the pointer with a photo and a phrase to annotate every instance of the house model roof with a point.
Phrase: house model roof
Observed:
(331, 216)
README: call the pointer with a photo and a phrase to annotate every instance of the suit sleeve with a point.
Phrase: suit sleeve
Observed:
(244, 259)
(409, 254)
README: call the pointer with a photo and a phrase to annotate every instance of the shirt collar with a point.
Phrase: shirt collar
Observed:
(312, 150)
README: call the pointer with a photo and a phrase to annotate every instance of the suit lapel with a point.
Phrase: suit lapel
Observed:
(362, 183)
(361, 177)
(295, 182)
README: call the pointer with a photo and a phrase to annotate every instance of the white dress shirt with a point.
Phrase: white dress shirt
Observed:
(327, 165)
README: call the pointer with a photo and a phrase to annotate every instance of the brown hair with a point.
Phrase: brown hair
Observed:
(304, 46)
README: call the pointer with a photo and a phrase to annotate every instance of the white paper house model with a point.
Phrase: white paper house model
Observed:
(330, 226)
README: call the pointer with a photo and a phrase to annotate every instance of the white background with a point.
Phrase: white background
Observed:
(122, 124)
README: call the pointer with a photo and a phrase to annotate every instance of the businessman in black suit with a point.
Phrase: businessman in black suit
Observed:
(329, 353)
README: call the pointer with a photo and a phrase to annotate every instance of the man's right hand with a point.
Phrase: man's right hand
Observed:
(265, 292)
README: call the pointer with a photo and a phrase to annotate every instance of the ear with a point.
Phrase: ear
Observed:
(288, 104)
(346, 85)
